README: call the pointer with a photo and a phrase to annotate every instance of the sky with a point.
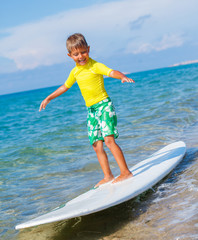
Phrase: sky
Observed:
(127, 35)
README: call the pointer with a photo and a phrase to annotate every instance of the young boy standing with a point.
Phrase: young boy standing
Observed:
(101, 120)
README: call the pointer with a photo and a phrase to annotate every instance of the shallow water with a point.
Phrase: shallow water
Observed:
(46, 159)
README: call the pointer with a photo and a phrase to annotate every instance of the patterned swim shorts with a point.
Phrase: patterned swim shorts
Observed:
(101, 121)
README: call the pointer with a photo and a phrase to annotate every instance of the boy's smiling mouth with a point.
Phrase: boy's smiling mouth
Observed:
(82, 61)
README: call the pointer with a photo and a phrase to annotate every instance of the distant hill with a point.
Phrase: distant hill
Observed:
(184, 63)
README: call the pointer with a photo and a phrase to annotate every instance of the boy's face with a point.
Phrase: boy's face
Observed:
(80, 55)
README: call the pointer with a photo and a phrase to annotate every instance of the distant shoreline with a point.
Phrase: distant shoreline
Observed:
(184, 63)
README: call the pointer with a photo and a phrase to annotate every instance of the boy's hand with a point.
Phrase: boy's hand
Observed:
(55, 94)
(44, 104)
(126, 79)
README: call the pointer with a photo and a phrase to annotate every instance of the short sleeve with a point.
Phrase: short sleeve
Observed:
(100, 68)
(71, 79)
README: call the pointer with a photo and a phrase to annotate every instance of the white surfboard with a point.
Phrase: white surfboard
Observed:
(146, 174)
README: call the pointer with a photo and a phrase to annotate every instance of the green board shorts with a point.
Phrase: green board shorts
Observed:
(101, 121)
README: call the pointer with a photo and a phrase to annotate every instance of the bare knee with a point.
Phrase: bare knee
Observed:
(98, 146)
(110, 141)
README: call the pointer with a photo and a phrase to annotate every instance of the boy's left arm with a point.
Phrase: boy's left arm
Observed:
(121, 76)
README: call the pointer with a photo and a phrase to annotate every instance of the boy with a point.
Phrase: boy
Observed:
(102, 120)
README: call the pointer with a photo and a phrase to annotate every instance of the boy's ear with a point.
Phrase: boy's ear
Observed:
(69, 54)
(88, 49)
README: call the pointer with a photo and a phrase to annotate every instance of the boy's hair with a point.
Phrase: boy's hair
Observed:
(75, 41)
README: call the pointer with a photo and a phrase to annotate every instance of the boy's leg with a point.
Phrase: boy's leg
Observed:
(119, 157)
(103, 160)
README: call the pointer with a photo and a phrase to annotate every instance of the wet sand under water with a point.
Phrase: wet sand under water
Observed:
(168, 212)
(46, 159)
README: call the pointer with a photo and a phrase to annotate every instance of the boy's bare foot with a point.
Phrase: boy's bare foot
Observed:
(104, 180)
(123, 177)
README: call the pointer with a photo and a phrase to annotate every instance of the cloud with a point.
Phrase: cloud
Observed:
(43, 42)
(167, 41)
(135, 26)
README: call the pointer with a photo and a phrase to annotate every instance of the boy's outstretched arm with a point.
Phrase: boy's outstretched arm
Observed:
(119, 75)
(62, 89)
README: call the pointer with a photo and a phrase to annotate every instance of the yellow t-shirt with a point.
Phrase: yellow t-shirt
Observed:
(90, 81)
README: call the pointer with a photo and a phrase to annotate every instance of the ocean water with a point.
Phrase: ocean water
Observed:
(46, 159)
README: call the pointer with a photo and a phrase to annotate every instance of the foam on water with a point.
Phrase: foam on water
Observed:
(46, 159)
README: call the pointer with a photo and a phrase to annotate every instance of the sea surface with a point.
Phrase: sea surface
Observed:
(46, 159)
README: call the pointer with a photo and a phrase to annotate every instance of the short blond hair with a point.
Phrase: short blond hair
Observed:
(75, 41)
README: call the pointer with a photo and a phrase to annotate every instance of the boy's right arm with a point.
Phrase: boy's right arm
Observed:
(62, 89)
